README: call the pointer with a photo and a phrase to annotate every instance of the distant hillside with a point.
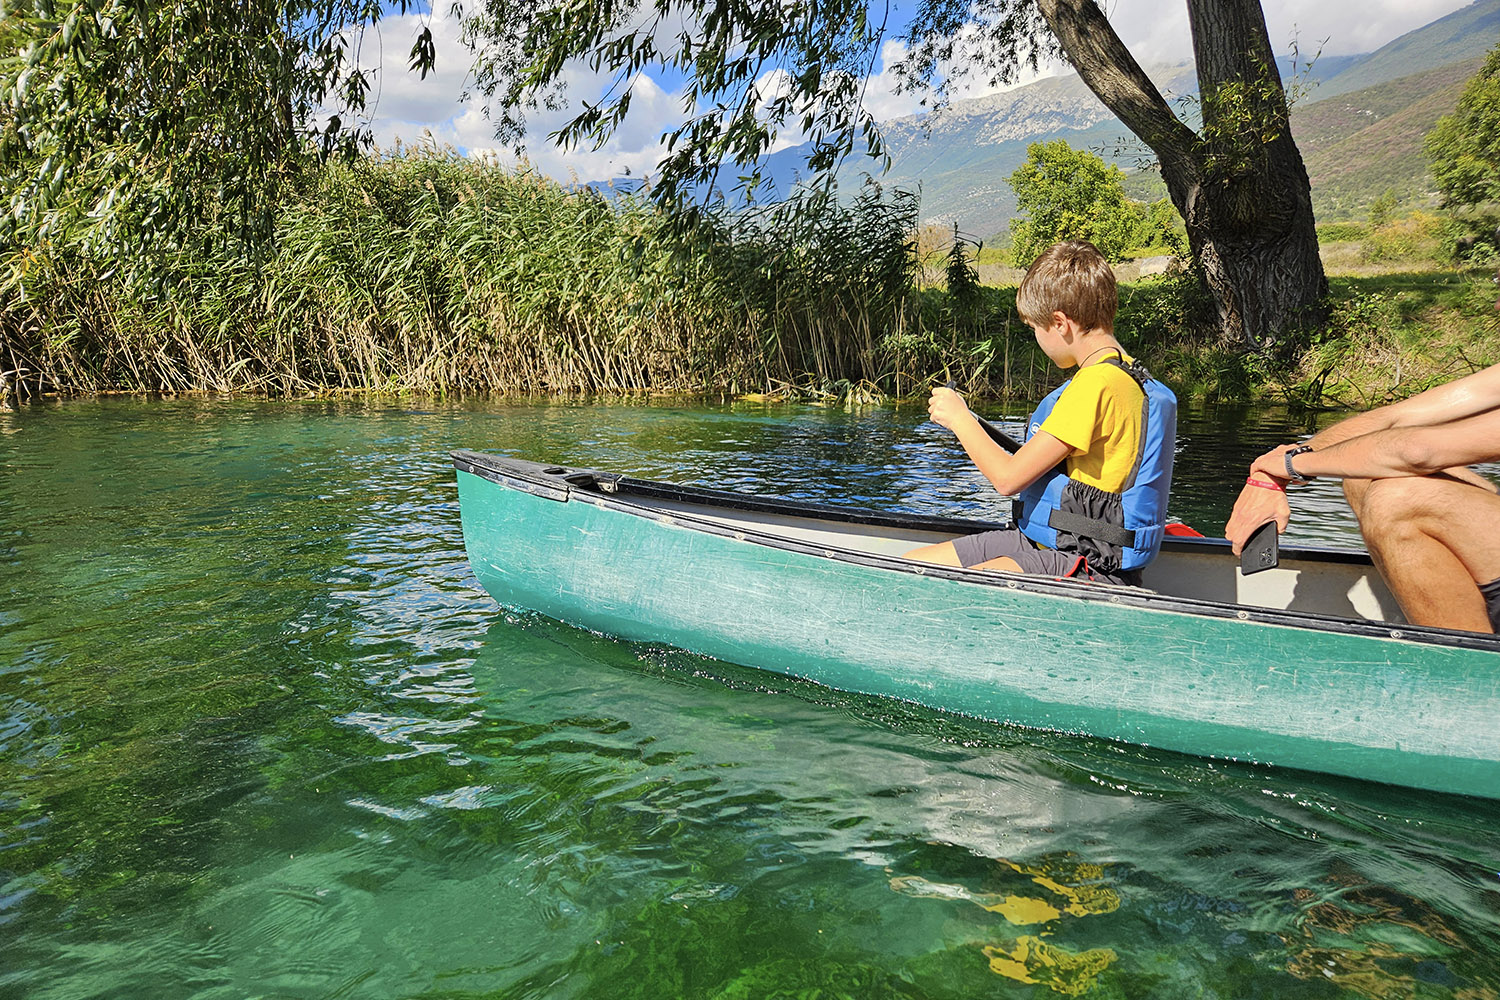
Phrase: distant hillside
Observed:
(1465, 34)
(962, 155)
(1359, 145)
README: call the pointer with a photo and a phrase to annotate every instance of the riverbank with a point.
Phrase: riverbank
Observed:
(429, 274)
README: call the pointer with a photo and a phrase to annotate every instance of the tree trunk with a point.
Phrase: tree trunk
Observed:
(1240, 185)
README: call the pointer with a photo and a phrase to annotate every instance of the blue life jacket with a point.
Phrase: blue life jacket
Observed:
(1144, 498)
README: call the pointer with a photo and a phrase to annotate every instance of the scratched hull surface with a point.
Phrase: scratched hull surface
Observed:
(1405, 706)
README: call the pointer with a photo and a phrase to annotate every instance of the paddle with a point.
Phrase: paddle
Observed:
(1001, 438)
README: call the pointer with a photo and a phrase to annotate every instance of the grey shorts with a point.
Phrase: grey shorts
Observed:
(1491, 593)
(1033, 558)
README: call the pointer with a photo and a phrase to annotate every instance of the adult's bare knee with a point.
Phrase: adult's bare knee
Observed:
(1384, 506)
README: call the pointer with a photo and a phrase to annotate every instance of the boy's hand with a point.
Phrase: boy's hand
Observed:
(948, 409)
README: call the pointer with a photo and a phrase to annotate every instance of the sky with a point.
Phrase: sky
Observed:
(412, 111)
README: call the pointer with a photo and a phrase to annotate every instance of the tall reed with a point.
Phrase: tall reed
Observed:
(428, 272)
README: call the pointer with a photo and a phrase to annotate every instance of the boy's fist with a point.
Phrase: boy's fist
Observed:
(947, 408)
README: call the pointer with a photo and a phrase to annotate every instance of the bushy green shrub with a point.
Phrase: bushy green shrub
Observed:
(1341, 232)
(1414, 238)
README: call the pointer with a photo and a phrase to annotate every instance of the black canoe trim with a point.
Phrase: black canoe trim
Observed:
(613, 491)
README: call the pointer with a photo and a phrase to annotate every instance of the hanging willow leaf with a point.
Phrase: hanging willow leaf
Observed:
(132, 124)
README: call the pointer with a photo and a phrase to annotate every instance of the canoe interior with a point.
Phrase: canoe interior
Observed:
(1321, 582)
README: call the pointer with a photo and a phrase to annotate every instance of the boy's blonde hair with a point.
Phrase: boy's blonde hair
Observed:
(1072, 278)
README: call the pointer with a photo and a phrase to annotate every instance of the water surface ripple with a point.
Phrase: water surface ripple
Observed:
(261, 734)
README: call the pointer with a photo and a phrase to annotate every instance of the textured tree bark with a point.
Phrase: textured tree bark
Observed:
(1240, 186)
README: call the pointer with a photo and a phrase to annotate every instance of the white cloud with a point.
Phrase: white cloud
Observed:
(401, 102)
(881, 98)
(1158, 33)
(412, 110)
(1350, 28)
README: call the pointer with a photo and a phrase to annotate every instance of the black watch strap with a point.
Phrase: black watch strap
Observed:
(1292, 473)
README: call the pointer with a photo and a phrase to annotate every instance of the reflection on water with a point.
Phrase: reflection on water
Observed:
(261, 734)
(1028, 958)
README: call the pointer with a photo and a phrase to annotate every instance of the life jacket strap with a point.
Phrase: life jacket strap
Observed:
(1089, 527)
(1082, 563)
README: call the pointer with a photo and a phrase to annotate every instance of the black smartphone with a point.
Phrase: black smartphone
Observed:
(1262, 550)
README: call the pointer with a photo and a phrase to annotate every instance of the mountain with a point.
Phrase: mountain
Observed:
(1360, 145)
(1467, 33)
(961, 156)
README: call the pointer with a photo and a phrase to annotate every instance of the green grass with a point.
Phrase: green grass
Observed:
(432, 273)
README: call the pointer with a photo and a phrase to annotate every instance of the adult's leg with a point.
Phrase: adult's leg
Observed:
(1434, 540)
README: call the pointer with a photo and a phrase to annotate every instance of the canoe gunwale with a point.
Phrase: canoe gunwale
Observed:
(612, 491)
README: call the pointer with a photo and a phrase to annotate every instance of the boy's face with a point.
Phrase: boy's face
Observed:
(1054, 342)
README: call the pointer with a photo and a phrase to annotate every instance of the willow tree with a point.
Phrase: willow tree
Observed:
(126, 123)
(755, 69)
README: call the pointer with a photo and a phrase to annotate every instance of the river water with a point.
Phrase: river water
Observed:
(262, 735)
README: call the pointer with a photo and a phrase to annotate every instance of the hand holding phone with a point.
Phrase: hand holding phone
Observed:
(1262, 549)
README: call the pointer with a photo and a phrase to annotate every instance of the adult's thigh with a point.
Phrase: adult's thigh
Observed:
(1463, 517)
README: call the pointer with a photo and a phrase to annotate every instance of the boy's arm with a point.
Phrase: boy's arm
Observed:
(1009, 474)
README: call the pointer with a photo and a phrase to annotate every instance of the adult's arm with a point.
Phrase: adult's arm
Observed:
(1465, 397)
(1009, 474)
(1422, 450)
(1438, 410)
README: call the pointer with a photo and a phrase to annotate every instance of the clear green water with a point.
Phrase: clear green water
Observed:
(261, 735)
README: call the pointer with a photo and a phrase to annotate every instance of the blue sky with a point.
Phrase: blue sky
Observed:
(411, 110)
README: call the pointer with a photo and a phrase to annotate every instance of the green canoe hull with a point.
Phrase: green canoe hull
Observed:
(1403, 706)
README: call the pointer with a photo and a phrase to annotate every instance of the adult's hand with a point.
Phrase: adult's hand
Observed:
(948, 409)
(1272, 465)
(1256, 505)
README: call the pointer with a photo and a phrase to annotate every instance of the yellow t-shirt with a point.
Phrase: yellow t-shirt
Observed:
(1099, 416)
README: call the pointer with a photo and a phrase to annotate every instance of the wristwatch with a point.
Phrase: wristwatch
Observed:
(1292, 473)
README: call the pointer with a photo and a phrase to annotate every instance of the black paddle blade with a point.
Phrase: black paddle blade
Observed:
(1262, 550)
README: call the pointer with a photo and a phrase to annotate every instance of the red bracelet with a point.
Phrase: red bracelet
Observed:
(1265, 484)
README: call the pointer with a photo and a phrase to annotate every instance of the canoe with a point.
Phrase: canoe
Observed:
(1308, 665)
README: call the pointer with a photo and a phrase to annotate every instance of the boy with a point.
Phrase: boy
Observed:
(1096, 468)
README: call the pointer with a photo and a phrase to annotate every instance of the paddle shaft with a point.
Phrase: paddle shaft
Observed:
(1001, 438)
